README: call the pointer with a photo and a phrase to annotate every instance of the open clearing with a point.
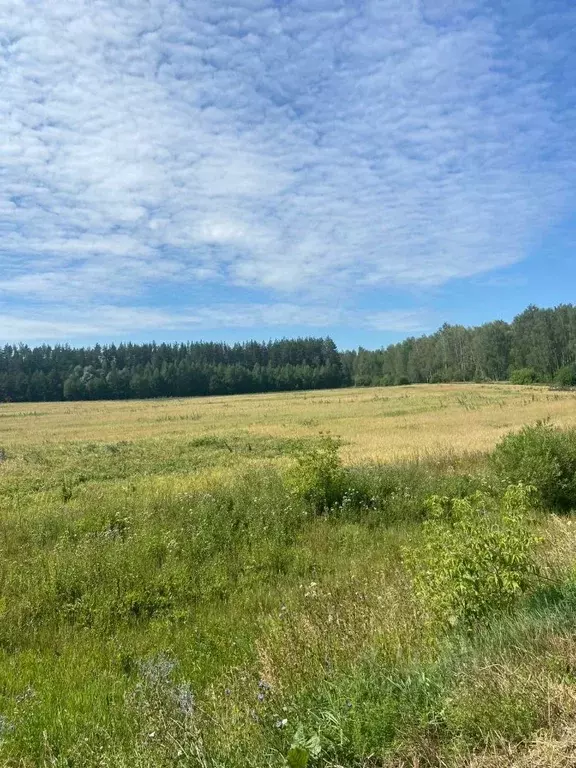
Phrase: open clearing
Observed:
(376, 424)
(167, 599)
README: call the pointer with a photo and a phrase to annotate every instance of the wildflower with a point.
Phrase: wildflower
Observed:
(184, 699)
(157, 670)
(281, 723)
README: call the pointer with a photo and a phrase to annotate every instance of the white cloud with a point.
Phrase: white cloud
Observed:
(307, 149)
(416, 321)
(108, 321)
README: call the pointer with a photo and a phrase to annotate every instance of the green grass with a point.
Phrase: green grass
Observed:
(176, 602)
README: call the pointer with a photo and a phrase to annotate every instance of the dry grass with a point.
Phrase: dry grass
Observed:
(375, 424)
(547, 751)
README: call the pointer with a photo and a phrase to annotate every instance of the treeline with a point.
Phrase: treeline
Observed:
(125, 371)
(538, 346)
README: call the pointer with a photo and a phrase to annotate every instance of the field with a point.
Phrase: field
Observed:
(377, 424)
(171, 594)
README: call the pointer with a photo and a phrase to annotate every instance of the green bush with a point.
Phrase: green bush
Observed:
(565, 376)
(476, 555)
(317, 475)
(542, 456)
(523, 376)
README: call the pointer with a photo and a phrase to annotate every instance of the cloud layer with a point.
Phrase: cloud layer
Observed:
(308, 150)
(113, 321)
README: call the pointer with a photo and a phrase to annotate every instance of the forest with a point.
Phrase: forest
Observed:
(539, 345)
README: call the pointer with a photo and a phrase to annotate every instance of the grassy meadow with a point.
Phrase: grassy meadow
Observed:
(215, 583)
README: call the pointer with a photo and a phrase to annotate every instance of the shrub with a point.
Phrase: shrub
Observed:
(523, 376)
(318, 476)
(476, 556)
(542, 456)
(565, 376)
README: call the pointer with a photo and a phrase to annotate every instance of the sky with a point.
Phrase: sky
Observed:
(202, 169)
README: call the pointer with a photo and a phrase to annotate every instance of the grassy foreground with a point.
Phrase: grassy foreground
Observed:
(170, 595)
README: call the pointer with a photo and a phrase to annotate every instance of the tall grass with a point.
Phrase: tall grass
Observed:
(234, 617)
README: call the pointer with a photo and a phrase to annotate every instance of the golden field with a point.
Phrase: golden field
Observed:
(374, 424)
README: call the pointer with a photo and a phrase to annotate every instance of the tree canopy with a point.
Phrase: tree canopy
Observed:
(538, 345)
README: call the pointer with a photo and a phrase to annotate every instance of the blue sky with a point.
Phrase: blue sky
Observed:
(185, 169)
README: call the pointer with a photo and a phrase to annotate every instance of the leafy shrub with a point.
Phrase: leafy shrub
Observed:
(565, 376)
(476, 556)
(523, 376)
(317, 476)
(542, 456)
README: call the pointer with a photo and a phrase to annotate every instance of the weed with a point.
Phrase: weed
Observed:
(477, 556)
(317, 475)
